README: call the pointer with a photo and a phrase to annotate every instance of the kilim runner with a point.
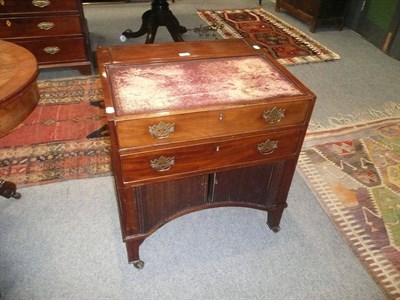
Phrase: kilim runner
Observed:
(284, 42)
(354, 172)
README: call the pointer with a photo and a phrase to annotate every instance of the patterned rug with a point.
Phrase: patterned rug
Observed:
(354, 172)
(283, 41)
(65, 137)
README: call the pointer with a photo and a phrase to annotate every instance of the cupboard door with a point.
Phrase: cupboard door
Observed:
(159, 203)
(252, 186)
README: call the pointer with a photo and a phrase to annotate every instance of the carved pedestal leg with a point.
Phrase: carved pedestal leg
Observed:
(8, 189)
(159, 15)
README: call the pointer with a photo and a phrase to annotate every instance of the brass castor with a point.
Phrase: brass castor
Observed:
(138, 264)
(276, 229)
(9, 189)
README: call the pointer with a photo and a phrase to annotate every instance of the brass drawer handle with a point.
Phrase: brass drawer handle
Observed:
(267, 147)
(2, 2)
(46, 25)
(40, 3)
(161, 130)
(162, 164)
(274, 115)
(51, 50)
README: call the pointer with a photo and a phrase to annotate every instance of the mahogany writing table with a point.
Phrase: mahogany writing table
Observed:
(197, 125)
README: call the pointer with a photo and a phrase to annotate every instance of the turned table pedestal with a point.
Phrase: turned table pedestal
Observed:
(158, 15)
(19, 94)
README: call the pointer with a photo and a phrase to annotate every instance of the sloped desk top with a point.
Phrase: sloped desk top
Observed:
(195, 84)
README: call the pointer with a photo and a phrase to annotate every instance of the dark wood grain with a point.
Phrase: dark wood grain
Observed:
(19, 93)
(21, 22)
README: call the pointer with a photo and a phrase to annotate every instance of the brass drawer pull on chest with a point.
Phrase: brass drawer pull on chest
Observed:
(162, 130)
(162, 164)
(46, 25)
(268, 147)
(41, 3)
(51, 50)
(274, 115)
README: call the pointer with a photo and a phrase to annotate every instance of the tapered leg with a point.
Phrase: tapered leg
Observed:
(132, 248)
(274, 218)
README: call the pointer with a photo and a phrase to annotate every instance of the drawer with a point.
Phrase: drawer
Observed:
(38, 6)
(208, 157)
(40, 26)
(211, 124)
(56, 50)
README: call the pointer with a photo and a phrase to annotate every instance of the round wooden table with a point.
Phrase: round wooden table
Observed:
(19, 94)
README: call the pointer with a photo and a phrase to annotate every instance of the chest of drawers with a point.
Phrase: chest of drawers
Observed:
(196, 125)
(54, 31)
(315, 12)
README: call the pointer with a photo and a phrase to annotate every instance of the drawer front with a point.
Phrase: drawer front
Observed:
(145, 167)
(38, 6)
(56, 50)
(210, 124)
(40, 26)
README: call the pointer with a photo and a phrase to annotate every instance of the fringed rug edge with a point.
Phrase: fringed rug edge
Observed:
(289, 29)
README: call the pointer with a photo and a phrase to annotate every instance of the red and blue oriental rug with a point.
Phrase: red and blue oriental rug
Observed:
(65, 137)
(282, 41)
